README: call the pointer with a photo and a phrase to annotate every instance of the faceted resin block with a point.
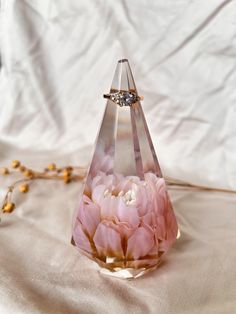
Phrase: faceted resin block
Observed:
(124, 220)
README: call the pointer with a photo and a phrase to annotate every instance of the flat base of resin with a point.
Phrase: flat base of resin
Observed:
(127, 273)
(124, 269)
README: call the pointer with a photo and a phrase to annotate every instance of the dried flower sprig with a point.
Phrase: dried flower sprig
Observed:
(51, 172)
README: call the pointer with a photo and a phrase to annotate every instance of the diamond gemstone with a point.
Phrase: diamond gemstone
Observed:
(124, 98)
(128, 98)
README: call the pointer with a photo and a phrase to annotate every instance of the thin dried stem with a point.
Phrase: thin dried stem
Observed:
(178, 183)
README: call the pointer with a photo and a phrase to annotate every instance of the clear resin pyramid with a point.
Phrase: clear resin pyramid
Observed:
(124, 220)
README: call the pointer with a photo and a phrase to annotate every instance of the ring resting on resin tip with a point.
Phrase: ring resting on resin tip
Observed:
(123, 98)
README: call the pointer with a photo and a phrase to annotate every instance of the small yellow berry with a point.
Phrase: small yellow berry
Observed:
(22, 168)
(15, 164)
(4, 171)
(24, 188)
(28, 173)
(8, 207)
(66, 179)
(66, 173)
(52, 167)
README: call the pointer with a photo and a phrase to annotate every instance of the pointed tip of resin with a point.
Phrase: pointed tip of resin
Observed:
(123, 60)
(123, 79)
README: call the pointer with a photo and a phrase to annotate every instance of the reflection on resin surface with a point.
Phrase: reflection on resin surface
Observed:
(125, 222)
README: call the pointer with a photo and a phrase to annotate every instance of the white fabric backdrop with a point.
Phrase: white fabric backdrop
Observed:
(58, 58)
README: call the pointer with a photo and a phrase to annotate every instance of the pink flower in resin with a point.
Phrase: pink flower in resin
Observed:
(125, 217)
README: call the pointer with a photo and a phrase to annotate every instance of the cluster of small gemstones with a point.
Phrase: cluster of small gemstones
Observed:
(124, 98)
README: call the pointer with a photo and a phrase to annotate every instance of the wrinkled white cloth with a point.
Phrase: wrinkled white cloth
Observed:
(57, 60)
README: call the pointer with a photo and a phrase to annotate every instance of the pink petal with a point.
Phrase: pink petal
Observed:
(127, 213)
(86, 199)
(108, 180)
(108, 241)
(161, 202)
(154, 250)
(89, 217)
(127, 183)
(116, 207)
(160, 231)
(164, 246)
(98, 193)
(123, 228)
(149, 176)
(140, 243)
(81, 240)
(97, 180)
(147, 219)
(143, 200)
(109, 206)
(102, 179)
(172, 227)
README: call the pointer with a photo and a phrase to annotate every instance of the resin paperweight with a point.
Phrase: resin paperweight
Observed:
(124, 220)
